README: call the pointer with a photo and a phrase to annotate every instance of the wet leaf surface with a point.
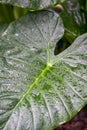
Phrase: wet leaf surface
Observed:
(38, 90)
(32, 4)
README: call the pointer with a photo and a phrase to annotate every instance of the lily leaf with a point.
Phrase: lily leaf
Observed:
(39, 91)
(32, 4)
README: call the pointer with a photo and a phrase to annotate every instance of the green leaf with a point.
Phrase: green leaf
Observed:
(6, 13)
(39, 91)
(32, 4)
(74, 18)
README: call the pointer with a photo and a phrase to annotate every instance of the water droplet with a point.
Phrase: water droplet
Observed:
(42, 24)
(4, 33)
(16, 34)
(32, 29)
(33, 48)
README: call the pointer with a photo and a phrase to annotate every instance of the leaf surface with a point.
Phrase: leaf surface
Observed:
(74, 18)
(32, 4)
(3, 26)
(39, 91)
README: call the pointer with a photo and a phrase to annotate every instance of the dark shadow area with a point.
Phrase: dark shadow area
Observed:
(61, 46)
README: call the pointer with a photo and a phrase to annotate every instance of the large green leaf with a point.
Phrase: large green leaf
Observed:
(32, 4)
(39, 91)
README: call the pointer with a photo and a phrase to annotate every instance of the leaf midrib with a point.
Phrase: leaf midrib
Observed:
(29, 89)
